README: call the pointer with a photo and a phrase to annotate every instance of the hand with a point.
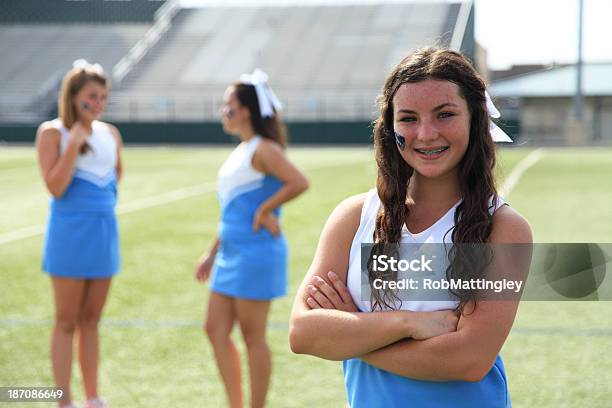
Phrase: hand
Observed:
(321, 295)
(266, 219)
(202, 272)
(77, 135)
(430, 324)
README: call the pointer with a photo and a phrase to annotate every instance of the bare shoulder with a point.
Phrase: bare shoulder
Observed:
(269, 148)
(270, 157)
(509, 226)
(336, 238)
(48, 128)
(352, 205)
(48, 133)
(346, 216)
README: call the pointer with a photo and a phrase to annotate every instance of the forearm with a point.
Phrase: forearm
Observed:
(212, 250)
(214, 247)
(288, 192)
(448, 357)
(338, 335)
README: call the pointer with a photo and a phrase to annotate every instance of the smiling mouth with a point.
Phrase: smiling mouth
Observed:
(432, 152)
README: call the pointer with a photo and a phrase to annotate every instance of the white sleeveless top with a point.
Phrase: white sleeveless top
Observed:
(98, 164)
(237, 175)
(439, 232)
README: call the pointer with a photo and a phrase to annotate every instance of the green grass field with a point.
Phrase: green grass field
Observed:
(154, 352)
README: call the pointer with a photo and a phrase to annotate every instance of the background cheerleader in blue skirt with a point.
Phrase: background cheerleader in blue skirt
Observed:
(248, 258)
(80, 162)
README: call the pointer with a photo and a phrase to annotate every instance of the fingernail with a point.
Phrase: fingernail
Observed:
(332, 274)
(312, 289)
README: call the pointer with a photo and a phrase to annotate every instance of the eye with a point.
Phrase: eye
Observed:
(444, 115)
(408, 119)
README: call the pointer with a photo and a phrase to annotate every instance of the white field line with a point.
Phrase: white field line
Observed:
(196, 324)
(166, 198)
(518, 171)
(21, 233)
(153, 201)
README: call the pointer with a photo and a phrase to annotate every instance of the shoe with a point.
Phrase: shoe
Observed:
(95, 403)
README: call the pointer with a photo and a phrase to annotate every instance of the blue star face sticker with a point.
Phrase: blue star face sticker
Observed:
(400, 140)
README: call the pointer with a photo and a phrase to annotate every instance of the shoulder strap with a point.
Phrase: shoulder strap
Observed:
(370, 206)
(57, 123)
(368, 217)
(497, 205)
(252, 146)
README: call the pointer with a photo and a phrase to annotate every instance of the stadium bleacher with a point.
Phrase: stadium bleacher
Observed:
(37, 55)
(40, 40)
(326, 62)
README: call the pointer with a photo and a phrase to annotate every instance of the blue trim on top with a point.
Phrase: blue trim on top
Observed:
(95, 179)
(242, 189)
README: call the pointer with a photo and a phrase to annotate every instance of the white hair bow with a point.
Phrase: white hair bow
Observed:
(83, 64)
(265, 97)
(497, 134)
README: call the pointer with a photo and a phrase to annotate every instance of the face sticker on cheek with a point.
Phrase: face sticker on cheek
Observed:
(400, 140)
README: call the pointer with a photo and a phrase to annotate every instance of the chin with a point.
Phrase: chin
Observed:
(91, 117)
(432, 172)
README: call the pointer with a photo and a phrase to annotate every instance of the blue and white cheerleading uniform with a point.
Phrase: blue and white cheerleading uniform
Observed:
(248, 264)
(371, 387)
(82, 239)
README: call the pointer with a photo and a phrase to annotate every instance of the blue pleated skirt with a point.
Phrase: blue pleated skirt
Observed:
(253, 267)
(82, 237)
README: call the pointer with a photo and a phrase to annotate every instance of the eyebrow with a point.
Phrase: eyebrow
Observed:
(437, 108)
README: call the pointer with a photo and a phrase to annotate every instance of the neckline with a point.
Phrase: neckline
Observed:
(428, 229)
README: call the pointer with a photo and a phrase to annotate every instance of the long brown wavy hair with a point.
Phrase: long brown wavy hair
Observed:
(270, 128)
(473, 220)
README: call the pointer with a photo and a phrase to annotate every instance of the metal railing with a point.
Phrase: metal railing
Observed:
(177, 108)
(163, 22)
(193, 108)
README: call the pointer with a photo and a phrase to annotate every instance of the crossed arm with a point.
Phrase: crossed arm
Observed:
(418, 345)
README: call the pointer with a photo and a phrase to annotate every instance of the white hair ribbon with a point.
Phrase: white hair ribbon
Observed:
(497, 134)
(267, 100)
(83, 64)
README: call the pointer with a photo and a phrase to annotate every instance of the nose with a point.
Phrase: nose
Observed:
(427, 132)
(97, 102)
(225, 110)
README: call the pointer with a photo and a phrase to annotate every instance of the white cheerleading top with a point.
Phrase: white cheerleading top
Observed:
(98, 164)
(237, 175)
(439, 232)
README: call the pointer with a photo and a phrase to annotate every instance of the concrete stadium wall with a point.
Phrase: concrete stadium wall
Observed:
(212, 133)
